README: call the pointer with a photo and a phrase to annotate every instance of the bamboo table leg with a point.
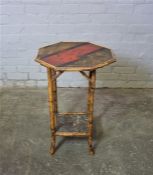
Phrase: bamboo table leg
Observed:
(52, 107)
(92, 80)
(55, 93)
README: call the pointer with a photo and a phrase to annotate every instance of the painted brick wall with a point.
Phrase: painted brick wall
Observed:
(126, 26)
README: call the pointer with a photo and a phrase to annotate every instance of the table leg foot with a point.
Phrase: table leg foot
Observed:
(52, 149)
(91, 148)
(53, 143)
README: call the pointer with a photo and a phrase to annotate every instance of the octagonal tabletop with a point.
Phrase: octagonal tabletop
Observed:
(74, 56)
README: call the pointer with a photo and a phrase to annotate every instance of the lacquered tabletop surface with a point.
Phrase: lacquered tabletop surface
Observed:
(74, 55)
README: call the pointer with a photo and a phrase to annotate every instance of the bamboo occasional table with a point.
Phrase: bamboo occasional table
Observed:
(72, 56)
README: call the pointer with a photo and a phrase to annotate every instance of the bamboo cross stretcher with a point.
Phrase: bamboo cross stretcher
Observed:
(72, 56)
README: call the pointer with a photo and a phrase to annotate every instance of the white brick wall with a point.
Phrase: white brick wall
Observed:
(126, 26)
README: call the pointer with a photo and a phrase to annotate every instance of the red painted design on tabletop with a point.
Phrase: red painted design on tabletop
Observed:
(71, 55)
